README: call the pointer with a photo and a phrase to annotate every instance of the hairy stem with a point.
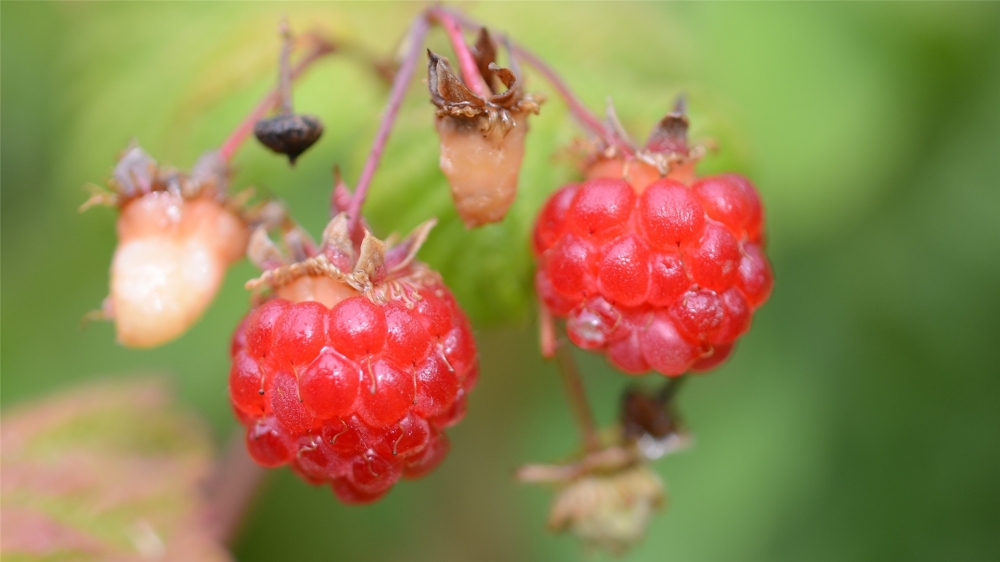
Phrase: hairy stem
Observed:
(415, 37)
(577, 397)
(576, 107)
(320, 48)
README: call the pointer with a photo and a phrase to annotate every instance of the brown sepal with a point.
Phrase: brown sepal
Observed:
(453, 98)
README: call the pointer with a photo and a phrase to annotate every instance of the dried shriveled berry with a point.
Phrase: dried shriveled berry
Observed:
(290, 134)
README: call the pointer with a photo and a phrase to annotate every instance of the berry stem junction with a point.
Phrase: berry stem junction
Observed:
(576, 107)
(466, 62)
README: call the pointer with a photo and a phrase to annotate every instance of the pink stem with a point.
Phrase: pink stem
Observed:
(466, 62)
(576, 107)
(417, 33)
(273, 98)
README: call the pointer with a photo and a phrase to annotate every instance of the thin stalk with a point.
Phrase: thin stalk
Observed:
(284, 70)
(577, 397)
(466, 62)
(576, 107)
(416, 35)
(669, 389)
(230, 489)
(235, 139)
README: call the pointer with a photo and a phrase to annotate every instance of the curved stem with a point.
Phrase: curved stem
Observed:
(576, 107)
(577, 397)
(416, 35)
(228, 149)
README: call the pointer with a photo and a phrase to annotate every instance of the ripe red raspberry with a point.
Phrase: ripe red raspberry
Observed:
(657, 268)
(352, 378)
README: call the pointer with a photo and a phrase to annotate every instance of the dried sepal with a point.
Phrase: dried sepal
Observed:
(136, 174)
(401, 255)
(370, 267)
(609, 511)
(448, 92)
(336, 243)
(485, 54)
(606, 496)
(454, 99)
(374, 268)
(482, 140)
(263, 252)
(668, 148)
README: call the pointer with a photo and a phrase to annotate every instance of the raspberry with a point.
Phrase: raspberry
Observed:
(352, 378)
(177, 234)
(659, 273)
(482, 136)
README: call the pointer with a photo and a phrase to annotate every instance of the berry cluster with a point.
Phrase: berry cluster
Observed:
(352, 378)
(657, 273)
(356, 358)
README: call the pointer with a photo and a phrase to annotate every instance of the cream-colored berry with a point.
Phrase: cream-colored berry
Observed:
(481, 167)
(171, 258)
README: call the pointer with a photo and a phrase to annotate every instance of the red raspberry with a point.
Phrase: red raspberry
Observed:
(660, 273)
(352, 378)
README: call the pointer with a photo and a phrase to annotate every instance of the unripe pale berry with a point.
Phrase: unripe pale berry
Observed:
(482, 138)
(177, 234)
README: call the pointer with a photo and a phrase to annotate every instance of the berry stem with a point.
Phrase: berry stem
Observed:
(670, 389)
(231, 488)
(576, 107)
(466, 62)
(284, 69)
(320, 48)
(577, 397)
(415, 37)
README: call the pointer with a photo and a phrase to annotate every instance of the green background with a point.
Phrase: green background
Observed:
(860, 419)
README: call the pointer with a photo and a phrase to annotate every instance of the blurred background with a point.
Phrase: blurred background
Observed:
(860, 418)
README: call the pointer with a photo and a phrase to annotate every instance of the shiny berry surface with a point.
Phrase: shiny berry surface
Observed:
(355, 396)
(661, 276)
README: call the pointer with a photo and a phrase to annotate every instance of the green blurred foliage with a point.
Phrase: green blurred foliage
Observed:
(858, 420)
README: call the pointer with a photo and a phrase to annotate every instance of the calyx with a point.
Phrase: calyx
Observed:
(379, 269)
